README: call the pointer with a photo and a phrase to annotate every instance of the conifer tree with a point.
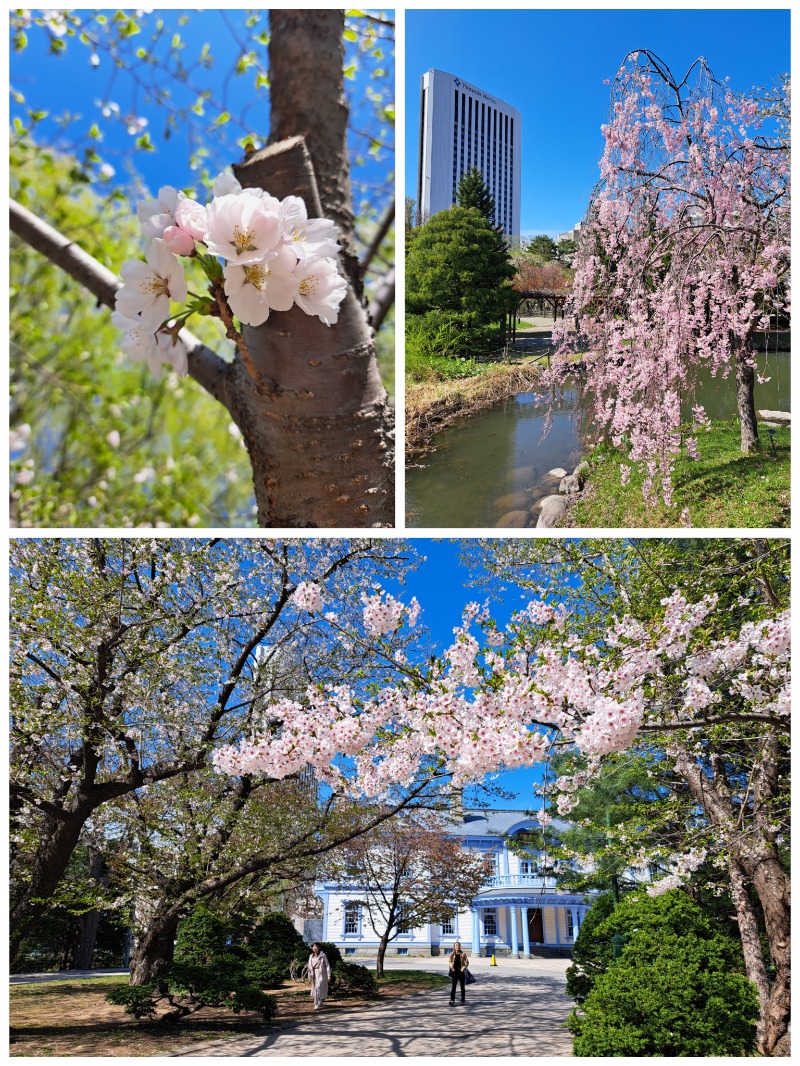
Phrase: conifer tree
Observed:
(474, 192)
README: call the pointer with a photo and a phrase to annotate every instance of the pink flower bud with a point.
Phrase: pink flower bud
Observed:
(178, 240)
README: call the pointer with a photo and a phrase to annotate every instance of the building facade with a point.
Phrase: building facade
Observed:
(461, 127)
(518, 911)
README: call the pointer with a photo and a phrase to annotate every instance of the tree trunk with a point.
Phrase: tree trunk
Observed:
(49, 866)
(751, 944)
(82, 950)
(318, 425)
(772, 885)
(154, 952)
(745, 383)
(379, 959)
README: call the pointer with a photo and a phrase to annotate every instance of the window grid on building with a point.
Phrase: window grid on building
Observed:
(490, 921)
(352, 915)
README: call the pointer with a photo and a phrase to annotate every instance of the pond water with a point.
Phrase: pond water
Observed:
(491, 470)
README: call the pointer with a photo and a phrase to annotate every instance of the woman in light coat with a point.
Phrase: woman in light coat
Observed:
(319, 970)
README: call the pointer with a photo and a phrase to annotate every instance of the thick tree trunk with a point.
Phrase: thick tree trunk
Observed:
(83, 944)
(745, 383)
(49, 866)
(153, 954)
(318, 424)
(772, 885)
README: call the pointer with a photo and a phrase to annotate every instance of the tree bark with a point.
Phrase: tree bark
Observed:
(318, 423)
(83, 944)
(754, 852)
(155, 950)
(747, 921)
(49, 865)
(745, 402)
(381, 956)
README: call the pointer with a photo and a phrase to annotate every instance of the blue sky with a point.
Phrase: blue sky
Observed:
(551, 66)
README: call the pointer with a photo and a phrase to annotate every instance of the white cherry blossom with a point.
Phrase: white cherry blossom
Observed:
(149, 286)
(320, 288)
(243, 229)
(254, 289)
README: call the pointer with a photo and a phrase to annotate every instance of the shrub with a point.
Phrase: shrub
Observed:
(271, 946)
(591, 953)
(675, 990)
(207, 972)
(350, 979)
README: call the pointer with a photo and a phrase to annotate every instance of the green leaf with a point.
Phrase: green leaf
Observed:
(145, 143)
(20, 41)
(94, 131)
(350, 72)
(262, 80)
(222, 118)
(350, 35)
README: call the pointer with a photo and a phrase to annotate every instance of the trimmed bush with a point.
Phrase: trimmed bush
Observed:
(677, 990)
(350, 979)
(271, 947)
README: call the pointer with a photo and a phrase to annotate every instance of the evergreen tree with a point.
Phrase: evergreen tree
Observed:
(474, 192)
(459, 265)
(543, 247)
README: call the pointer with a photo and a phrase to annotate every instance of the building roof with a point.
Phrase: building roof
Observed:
(496, 823)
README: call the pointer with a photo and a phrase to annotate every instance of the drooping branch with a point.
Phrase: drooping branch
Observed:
(205, 366)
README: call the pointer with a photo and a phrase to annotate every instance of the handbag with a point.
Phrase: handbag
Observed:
(468, 977)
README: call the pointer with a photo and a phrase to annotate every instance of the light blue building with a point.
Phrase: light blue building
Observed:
(518, 911)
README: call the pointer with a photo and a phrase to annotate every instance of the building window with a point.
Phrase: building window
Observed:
(570, 926)
(402, 951)
(352, 918)
(490, 921)
(490, 864)
(349, 951)
(402, 920)
(449, 927)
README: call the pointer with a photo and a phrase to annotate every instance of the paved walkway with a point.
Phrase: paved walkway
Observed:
(64, 975)
(516, 1008)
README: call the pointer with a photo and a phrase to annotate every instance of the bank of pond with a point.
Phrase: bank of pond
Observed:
(495, 467)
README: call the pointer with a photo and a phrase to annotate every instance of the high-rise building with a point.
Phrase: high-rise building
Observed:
(461, 127)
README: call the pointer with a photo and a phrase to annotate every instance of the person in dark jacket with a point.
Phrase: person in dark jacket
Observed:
(458, 972)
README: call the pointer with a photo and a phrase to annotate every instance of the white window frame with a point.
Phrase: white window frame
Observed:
(490, 912)
(347, 911)
(449, 927)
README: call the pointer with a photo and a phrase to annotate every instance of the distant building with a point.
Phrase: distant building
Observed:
(571, 234)
(518, 911)
(461, 127)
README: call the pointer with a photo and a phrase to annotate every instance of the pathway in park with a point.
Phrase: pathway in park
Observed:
(517, 1008)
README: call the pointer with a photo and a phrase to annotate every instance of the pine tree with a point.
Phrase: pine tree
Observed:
(474, 192)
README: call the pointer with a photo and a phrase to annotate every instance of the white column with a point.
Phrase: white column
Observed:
(526, 936)
(476, 933)
(514, 934)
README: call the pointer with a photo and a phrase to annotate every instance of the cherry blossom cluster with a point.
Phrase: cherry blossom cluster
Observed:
(477, 710)
(682, 257)
(308, 597)
(680, 869)
(383, 613)
(260, 254)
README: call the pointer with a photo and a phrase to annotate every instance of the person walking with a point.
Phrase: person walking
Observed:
(458, 973)
(319, 970)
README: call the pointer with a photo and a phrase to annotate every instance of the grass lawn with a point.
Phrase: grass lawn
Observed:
(723, 489)
(73, 1018)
